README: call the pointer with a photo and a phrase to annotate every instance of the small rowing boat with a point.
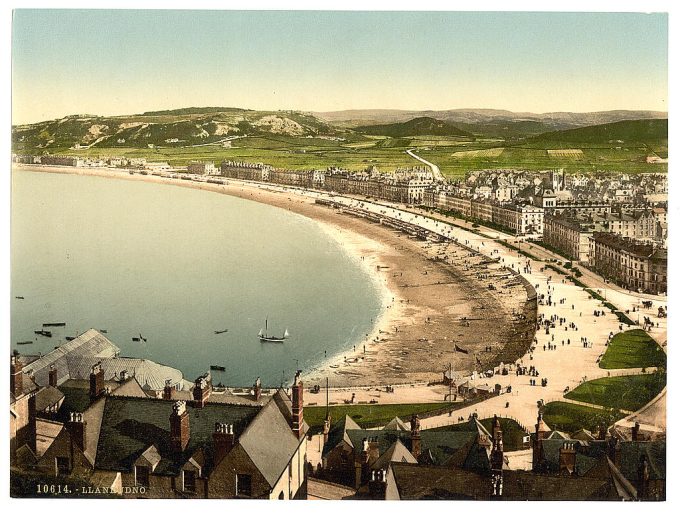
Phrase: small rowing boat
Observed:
(44, 333)
(217, 367)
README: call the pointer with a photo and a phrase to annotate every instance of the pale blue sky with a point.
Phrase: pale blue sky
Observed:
(120, 62)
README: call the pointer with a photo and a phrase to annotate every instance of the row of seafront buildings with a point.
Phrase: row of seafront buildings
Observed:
(616, 231)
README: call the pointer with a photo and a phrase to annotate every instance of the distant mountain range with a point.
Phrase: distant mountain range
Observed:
(553, 121)
(196, 126)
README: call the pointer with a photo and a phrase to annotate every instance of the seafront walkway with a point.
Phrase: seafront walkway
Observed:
(576, 342)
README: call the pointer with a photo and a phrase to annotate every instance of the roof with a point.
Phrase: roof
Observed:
(91, 344)
(338, 433)
(396, 453)
(439, 446)
(268, 439)
(528, 486)
(630, 454)
(130, 425)
(415, 482)
(398, 424)
(47, 397)
(149, 374)
(319, 489)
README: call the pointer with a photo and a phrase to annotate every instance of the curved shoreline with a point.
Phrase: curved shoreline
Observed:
(412, 337)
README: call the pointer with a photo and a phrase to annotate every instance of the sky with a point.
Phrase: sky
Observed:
(110, 62)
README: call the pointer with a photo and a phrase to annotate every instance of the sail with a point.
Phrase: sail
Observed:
(260, 334)
(286, 334)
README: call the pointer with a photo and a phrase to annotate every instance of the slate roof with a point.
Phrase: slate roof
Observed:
(630, 454)
(398, 424)
(47, 397)
(131, 425)
(268, 439)
(396, 453)
(586, 458)
(420, 482)
(338, 433)
(439, 446)
(520, 485)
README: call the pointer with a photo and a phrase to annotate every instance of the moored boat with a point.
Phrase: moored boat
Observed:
(44, 333)
(217, 367)
(264, 336)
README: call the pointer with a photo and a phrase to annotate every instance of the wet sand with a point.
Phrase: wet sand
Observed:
(436, 296)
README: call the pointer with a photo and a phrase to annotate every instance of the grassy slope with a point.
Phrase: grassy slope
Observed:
(369, 415)
(564, 416)
(628, 392)
(633, 349)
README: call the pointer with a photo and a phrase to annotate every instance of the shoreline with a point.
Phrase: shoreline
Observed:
(413, 334)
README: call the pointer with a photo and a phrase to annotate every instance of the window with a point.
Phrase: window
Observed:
(189, 481)
(141, 476)
(63, 465)
(244, 485)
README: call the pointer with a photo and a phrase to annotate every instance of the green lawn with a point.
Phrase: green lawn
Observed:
(368, 415)
(512, 432)
(563, 416)
(633, 349)
(628, 392)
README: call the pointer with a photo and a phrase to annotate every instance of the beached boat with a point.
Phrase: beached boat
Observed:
(44, 333)
(264, 336)
(217, 367)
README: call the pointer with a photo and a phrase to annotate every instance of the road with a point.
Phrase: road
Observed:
(435, 169)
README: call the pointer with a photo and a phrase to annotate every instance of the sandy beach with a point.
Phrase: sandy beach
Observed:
(436, 296)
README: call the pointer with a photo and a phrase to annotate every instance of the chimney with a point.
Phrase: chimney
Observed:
(76, 427)
(53, 376)
(415, 436)
(223, 441)
(298, 415)
(167, 390)
(567, 458)
(635, 436)
(179, 427)
(257, 389)
(326, 428)
(643, 479)
(96, 381)
(361, 463)
(602, 433)
(614, 450)
(377, 484)
(537, 459)
(202, 391)
(16, 376)
(496, 457)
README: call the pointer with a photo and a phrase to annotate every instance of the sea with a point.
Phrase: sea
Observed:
(170, 266)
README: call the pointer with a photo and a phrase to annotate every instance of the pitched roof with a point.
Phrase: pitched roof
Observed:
(441, 446)
(91, 344)
(130, 425)
(47, 397)
(338, 433)
(268, 440)
(527, 486)
(416, 481)
(398, 424)
(630, 454)
(396, 453)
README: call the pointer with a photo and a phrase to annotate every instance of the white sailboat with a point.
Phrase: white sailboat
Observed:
(265, 337)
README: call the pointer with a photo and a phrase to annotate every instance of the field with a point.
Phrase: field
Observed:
(564, 416)
(455, 156)
(628, 392)
(368, 415)
(633, 349)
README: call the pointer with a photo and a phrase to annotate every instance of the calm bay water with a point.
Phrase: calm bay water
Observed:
(176, 264)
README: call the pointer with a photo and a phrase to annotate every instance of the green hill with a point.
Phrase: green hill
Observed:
(623, 131)
(423, 126)
(171, 128)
